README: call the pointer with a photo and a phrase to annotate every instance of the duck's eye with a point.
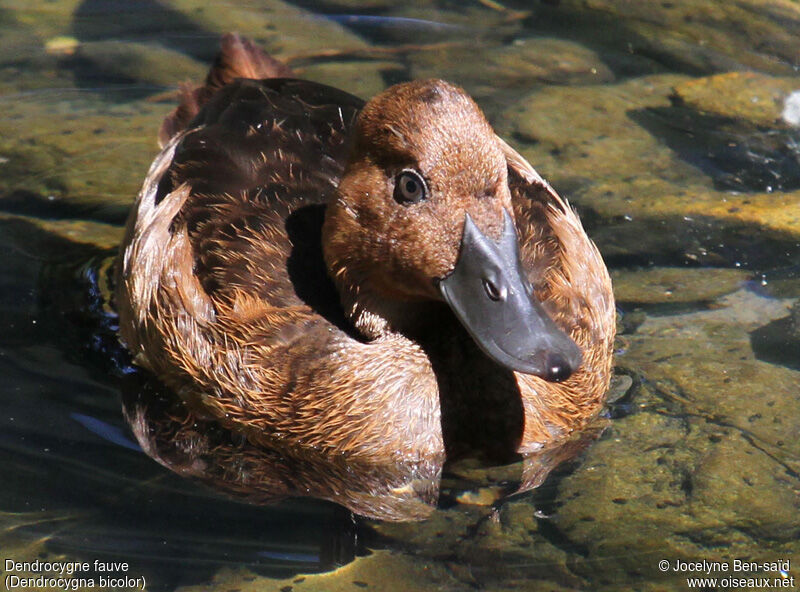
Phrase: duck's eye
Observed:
(409, 187)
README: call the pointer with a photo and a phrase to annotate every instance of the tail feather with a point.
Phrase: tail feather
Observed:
(238, 58)
(241, 58)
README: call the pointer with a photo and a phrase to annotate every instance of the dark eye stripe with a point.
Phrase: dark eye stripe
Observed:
(409, 188)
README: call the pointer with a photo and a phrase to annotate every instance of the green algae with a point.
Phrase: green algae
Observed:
(85, 153)
(362, 81)
(674, 285)
(619, 169)
(669, 188)
(381, 570)
(142, 63)
(48, 236)
(525, 63)
(696, 37)
(707, 456)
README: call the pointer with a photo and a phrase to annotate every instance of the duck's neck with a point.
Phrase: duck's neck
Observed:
(367, 303)
(375, 315)
(371, 315)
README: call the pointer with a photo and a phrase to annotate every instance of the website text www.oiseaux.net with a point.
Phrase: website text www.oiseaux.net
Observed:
(738, 573)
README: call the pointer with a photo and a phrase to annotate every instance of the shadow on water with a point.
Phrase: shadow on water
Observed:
(736, 155)
(108, 28)
(689, 241)
(27, 203)
(627, 53)
(778, 342)
(143, 20)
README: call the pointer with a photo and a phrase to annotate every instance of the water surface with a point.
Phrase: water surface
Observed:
(665, 124)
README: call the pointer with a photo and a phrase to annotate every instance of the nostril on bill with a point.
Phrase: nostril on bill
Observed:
(493, 291)
(557, 368)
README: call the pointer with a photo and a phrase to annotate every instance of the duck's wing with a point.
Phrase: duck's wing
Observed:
(562, 262)
(571, 281)
(238, 58)
(535, 202)
(260, 161)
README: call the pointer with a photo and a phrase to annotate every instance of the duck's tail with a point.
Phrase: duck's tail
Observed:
(238, 58)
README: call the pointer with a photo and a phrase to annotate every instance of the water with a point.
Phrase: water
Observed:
(661, 122)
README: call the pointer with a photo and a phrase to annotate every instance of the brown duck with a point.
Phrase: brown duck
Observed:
(381, 282)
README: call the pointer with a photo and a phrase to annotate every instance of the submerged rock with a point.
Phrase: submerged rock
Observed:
(674, 285)
(381, 570)
(708, 457)
(588, 131)
(62, 45)
(626, 156)
(778, 342)
(357, 77)
(700, 37)
(86, 153)
(46, 235)
(82, 157)
(282, 28)
(747, 96)
(133, 62)
(523, 63)
(733, 126)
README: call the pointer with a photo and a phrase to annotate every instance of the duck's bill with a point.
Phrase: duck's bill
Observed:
(493, 299)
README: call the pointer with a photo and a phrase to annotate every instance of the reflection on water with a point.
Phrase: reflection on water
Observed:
(78, 483)
(228, 462)
(201, 449)
(662, 123)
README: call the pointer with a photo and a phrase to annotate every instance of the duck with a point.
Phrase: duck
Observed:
(383, 282)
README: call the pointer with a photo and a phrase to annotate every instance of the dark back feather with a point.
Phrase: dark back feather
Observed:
(262, 161)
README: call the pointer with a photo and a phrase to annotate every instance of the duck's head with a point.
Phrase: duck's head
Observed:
(424, 212)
